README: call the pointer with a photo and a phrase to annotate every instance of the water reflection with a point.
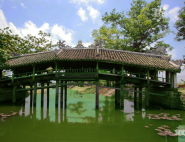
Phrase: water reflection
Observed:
(45, 122)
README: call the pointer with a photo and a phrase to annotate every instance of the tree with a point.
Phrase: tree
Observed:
(145, 24)
(11, 44)
(180, 26)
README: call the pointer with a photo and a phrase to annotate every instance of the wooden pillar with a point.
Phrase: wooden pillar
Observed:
(172, 79)
(108, 83)
(31, 95)
(56, 69)
(156, 75)
(34, 72)
(23, 98)
(167, 76)
(116, 94)
(148, 81)
(97, 68)
(61, 94)
(146, 97)
(1, 74)
(118, 97)
(135, 96)
(56, 94)
(14, 94)
(140, 96)
(65, 93)
(35, 94)
(12, 75)
(42, 92)
(122, 95)
(97, 95)
(175, 80)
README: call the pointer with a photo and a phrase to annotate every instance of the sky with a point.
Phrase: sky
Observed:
(73, 20)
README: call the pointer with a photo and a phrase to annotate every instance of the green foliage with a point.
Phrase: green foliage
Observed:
(143, 25)
(10, 44)
(180, 25)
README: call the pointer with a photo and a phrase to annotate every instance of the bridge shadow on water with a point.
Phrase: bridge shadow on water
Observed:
(80, 121)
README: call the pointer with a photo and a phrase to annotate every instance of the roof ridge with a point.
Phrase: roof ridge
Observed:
(132, 52)
(57, 51)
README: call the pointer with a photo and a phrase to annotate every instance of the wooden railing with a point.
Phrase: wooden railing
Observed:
(132, 74)
(86, 72)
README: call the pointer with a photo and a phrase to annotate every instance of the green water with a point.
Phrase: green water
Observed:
(82, 122)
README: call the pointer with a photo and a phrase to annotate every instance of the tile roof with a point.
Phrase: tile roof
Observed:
(31, 58)
(105, 55)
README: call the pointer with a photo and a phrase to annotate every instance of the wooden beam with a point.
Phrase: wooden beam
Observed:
(97, 95)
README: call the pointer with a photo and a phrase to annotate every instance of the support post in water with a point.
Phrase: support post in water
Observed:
(14, 93)
(42, 92)
(61, 94)
(56, 94)
(116, 94)
(97, 95)
(65, 93)
(24, 96)
(146, 97)
(122, 95)
(140, 96)
(48, 94)
(118, 97)
(31, 95)
(35, 94)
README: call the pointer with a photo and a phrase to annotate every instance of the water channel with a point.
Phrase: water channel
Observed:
(80, 121)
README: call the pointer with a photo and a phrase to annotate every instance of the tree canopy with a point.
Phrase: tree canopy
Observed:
(143, 25)
(11, 44)
(180, 25)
